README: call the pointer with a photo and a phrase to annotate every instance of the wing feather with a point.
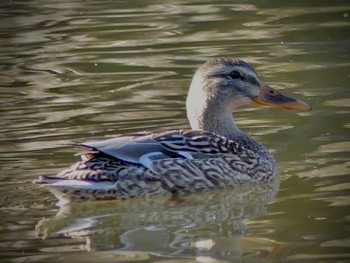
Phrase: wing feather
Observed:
(143, 148)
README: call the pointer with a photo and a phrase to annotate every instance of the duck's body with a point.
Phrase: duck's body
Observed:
(216, 154)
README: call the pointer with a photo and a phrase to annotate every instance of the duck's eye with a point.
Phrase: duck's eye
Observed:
(235, 75)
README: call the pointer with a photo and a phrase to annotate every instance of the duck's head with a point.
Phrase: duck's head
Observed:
(233, 81)
(223, 84)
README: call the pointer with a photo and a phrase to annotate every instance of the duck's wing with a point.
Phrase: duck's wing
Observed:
(144, 149)
(129, 148)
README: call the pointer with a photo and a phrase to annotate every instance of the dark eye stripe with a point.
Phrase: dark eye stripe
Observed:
(249, 79)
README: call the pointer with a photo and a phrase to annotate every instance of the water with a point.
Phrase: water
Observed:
(80, 70)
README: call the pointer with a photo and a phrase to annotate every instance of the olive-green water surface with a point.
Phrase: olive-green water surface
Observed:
(80, 70)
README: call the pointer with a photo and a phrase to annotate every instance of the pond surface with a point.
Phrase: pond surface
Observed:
(81, 70)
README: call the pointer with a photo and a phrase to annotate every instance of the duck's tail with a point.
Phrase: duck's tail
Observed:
(78, 190)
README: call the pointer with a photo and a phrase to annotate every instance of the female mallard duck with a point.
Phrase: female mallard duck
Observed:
(215, 154)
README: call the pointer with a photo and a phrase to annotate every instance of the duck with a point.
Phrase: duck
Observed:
(213, 154)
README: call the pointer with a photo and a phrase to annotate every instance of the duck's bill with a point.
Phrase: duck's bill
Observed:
(270, 97)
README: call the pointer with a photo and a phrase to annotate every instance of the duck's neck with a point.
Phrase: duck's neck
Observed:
(213, 118)
(210, 109)
(221, 122)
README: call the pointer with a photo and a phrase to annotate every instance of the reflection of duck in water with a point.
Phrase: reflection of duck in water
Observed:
(215, 154)
(210, 224)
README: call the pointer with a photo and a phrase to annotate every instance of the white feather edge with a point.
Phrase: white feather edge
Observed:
(84, 185)
(187, 155)
(147, 160)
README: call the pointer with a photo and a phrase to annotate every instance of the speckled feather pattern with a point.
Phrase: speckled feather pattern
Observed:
(217, 163)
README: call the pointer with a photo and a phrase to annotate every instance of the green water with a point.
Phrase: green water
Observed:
(81, 70)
